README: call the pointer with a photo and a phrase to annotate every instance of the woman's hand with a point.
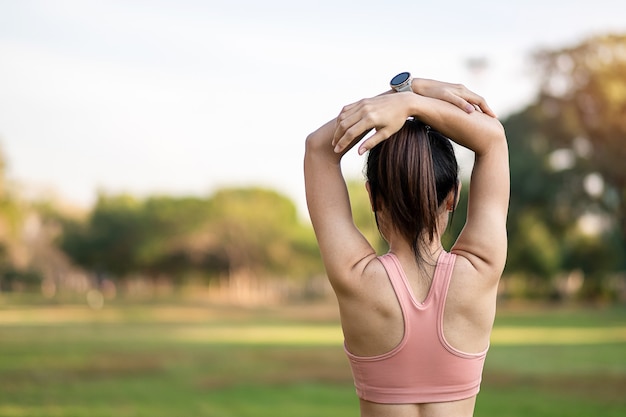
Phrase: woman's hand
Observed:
(385, 113)
(456, 94)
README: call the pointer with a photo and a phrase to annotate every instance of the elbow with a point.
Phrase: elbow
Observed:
(319, 145)
(312, 143)
(501, 131)
(312, 151)
(311, 148)
(498, 133)
(320, 139)
(496, 138)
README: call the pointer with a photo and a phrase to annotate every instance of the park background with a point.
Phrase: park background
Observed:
(156, 256)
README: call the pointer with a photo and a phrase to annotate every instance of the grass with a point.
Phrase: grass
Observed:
(184, 360)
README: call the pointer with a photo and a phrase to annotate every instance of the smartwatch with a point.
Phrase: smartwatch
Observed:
(401, 82)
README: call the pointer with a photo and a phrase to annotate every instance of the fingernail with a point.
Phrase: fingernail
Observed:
(469, 108)
(337, 150)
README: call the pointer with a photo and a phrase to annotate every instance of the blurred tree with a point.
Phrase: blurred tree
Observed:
(256, 231)
(125, 236)
(15, 270)
(554, 226)
(536, 221)
(583, 98)
(165, 225)
(567, 185)
(237, 232)
(110, 239)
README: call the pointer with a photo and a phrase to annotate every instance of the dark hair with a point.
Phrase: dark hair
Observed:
(410, 175)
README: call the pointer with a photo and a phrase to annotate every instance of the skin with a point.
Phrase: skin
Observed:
(370, 315)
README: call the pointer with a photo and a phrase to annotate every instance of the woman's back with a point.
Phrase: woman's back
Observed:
(393, 364)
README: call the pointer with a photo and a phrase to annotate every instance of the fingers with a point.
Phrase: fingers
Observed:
(352, 134)
(385, 113)
(353, 123)
(456, 94)
(345, 129)
(348, 116)
(457, 98)
(373, 140)
(484, 107)
(473, 101)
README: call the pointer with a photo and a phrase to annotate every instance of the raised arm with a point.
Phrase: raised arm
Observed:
(483, 240)
(344, 250)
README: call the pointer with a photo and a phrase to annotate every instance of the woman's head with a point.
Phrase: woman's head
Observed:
(410, 176)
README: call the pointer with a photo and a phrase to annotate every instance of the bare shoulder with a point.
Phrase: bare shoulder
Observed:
(371, 275)
(353, 280)
(369, 291)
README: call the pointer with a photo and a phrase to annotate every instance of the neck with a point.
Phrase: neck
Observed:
(402, 248)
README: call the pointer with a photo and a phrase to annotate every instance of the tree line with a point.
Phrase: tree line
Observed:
(567, 219)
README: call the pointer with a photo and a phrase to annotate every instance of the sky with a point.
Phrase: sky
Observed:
(186, 97)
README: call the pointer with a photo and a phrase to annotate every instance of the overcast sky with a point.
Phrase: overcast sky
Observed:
(184, 97)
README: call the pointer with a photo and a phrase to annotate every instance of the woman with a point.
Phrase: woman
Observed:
(416, 320)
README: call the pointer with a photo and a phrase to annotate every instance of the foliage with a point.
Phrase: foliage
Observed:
(15, 270)
(258, 230)
(567, 183)
(248, 229)
(107, 243)
(584, 95)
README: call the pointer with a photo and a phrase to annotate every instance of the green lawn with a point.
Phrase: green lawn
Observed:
(182, 360)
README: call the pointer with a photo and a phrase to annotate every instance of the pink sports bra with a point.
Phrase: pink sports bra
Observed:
(423, 368)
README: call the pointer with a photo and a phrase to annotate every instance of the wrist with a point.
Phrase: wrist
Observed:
(417, 105)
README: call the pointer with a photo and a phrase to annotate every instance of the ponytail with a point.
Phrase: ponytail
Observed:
(410, 175)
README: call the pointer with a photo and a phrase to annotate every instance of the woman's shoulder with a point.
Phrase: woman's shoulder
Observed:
(353, 280)
(375, 268)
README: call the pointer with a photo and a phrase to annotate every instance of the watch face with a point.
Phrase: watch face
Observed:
(400, 78)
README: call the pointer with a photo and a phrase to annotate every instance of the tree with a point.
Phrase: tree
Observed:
(124, 235)
(108, 242)
(237, 232)
(257, 232)
(166, 223)
(15, 256)
(567, 185)
(583, 96)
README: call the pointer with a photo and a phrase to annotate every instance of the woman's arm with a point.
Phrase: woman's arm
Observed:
(483, 240)
(344, 250)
